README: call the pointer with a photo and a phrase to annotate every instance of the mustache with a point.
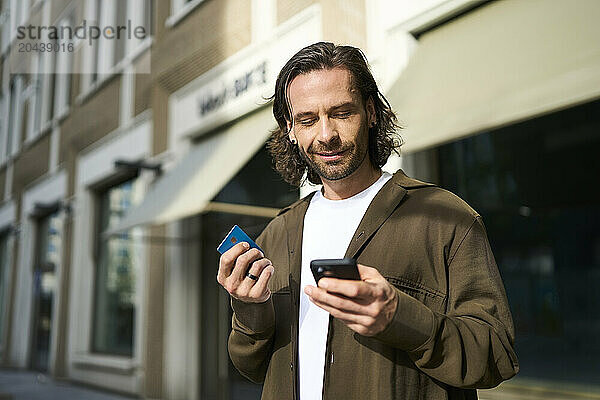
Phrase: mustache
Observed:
(333, 148)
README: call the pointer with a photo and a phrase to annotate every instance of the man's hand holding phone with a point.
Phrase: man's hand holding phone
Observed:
(245, 273)
(366, 306)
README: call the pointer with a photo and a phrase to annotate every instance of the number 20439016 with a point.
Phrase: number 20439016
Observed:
(46, 47)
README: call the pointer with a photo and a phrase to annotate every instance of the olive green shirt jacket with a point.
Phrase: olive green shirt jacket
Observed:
(452, 331)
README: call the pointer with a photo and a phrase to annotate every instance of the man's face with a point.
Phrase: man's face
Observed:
(330, 122)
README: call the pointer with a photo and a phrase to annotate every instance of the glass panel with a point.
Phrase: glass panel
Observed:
(116, 272)
(53, 59)
(12, 123)
(3, 117)
(535, 185)
(39, 80)
(48, 248)
(96, 43)
(219, 378)
(121, 36)
(4, 267)
(258, 184)
(149, 17)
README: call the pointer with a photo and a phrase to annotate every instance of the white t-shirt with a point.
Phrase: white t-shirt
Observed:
(328, 228)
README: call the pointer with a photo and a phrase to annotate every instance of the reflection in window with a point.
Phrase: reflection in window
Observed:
(534, 183)
(215, 323)
(116, 273)
(96, 43)
(14, 114)
(149, 17)
(121, 39)
(4, 267)
(256, 184)
(47, 260)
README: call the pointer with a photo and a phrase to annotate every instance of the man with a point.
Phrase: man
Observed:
(428, 320)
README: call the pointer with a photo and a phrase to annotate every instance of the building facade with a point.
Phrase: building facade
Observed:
(125, 160)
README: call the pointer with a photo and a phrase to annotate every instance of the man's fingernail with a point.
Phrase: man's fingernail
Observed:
(323, 284)
(270, 269)
(308, 290)
(246, 245)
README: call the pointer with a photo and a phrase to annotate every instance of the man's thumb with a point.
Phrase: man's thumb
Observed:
(367, 272)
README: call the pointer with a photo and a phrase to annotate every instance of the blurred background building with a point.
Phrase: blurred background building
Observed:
(123, 163)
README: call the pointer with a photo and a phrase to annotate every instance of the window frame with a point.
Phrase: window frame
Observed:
(95, 168)
(52, 188)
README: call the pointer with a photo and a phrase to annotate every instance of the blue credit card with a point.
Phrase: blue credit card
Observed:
(236, 235)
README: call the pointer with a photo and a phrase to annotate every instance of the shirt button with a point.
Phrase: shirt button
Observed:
(292, 366)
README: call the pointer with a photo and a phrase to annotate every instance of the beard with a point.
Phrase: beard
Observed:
(353, 157)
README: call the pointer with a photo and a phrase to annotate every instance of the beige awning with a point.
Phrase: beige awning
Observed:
(501, 63)
(188, 188)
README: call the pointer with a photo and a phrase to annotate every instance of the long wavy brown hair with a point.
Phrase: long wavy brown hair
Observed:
(383, 137)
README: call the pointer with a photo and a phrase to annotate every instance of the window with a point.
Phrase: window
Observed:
(48, 62)
(63, 68)
(47, 259)
(4, 267)
(104, 16)
(120, 46)
(149, 17)
(24, 6)
(256, 184)
(107, 53)
(16, 13)
(52, 85)
(15, 16)
(533, 184)
(11, 118)
(5, 21)
(14, 116)
(94, 13)
(215, 312)
(35, 100)
(3, 115)
(116, 273)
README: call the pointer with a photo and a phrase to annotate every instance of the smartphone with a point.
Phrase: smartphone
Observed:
(341, 268)
(236, 235)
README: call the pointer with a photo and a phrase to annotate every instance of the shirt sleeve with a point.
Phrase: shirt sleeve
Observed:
(253, 329)
(471, 344)
(251, 338)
